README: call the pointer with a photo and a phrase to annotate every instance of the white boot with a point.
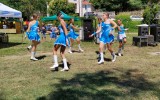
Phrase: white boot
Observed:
(113, 57)
(33, 56)
(55, 60)
(119, 52)
(29, 48)
(70, 50)
(101, 58)
(65, 65)
(80, 49)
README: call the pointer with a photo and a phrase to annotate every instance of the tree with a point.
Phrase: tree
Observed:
(28, 7)
(117, 5)
(149, 14)
(61, 5)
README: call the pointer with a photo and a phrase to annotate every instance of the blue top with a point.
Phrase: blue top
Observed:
(53, 29)
(61, 31)
(34, 28)
(106, 29)
(33, 34)
(122, 30)
(71, 29)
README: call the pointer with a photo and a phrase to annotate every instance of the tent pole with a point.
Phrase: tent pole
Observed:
(22, 31)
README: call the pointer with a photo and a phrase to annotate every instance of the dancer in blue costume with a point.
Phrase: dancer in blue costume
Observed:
(53, 32)
(121, 36)
(33, 35)
(61, 43)
(106, 37)
(72, 35)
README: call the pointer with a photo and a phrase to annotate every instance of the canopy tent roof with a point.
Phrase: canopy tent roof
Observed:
(6, 11)
(54, 17)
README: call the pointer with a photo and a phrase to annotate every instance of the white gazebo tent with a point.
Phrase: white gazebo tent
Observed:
(9, 12)
(6, 11)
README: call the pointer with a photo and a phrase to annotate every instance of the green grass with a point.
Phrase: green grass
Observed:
(134, 76)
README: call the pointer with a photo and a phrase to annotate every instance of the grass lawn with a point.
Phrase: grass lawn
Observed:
(134, 76)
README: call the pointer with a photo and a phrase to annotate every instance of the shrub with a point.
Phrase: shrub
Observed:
(149, 14)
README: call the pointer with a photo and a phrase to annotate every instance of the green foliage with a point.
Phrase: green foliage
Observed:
(149, 14)
(61, 5)
(128, 23)
(28, 7)
(117, 5)
(135, 4)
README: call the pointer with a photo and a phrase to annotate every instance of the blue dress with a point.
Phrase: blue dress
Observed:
(106, 37)
(33, 34)
(62, 39)
(72, 34)
(100, 33)
(53, 34)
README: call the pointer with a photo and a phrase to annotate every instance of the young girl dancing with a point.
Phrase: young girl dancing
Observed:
(107, 37)
(72, 35)
(60, 42)
(53, 32)
(121, 36)
(33, 35)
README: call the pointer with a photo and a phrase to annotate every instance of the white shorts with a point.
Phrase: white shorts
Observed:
(121, 36)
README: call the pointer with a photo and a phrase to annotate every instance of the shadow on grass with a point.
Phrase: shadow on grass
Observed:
(105, 59)
(103, 85)
(62, 65)
(41, 57)
(108, 59)
(2, 96)
(9, 44)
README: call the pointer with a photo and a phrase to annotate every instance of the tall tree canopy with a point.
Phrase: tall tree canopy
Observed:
(28, 7)
(118, 5)
(61, 5)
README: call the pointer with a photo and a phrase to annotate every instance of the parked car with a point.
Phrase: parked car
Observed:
(136, 18)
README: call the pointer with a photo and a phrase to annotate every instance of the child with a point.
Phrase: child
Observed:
(107, 37)
(33, 36)
(53, 32)
(61, 42)
(121, 36)
(72, 35)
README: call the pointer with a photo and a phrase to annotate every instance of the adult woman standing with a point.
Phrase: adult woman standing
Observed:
(106, 37)
(33, 36)
(61, 42)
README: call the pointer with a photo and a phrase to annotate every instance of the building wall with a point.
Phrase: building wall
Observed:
(87, 8)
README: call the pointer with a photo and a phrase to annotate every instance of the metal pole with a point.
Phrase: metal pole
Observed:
(80, 7)
(47, 9)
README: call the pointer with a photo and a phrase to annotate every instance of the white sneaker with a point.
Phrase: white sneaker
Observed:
(70, 51)
(119, 54)
(65, 69)
(81, 50)
(34, 59)
(114, 58)
(101, 62)
(54, 66)
(29, 48)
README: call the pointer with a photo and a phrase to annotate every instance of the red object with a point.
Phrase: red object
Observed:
(85, 2)
(27, 23)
